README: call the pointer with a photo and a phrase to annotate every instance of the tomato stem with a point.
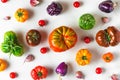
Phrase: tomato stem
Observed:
(107, 58)
(84, 58)
(39, 74)
(20, 14)
(108, 38)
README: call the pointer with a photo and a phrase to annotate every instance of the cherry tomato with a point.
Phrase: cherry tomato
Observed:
(98, 70)
(42, 22)
(76, 4)
(4, 1)
(87, 40)
(13, 75)
(43, 50)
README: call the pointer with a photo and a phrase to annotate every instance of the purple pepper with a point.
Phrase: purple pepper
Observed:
(106, 6)
(62, 69)
(54, 8)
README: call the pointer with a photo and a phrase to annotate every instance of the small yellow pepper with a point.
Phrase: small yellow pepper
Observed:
(83, 57)
(21, 15)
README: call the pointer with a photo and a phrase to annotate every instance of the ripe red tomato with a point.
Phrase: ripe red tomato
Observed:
(87, 39)
(4, 1)
(76, 4)
(43, 50)
(98, 70)
(13, 75)
(42, 22)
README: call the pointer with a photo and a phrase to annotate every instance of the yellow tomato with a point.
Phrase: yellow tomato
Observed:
(83, 57)
(21, 15)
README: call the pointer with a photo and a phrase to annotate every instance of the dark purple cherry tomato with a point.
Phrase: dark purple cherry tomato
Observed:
(33, 37)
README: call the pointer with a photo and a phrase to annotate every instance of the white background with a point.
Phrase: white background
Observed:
(68, 17)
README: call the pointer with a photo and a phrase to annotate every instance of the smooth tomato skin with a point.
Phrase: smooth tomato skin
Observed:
(98, 70)
(62, 39)
(43, 50)
(76, 4)
(87, 39)
(3, 65)
(13, 75)
(108, 57)
(4, 1)
(42, 22)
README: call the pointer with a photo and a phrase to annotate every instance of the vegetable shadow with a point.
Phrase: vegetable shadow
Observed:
(8, 64)
(70, 68)
(65, 6)
(98, 20)
(95, 55)
(80, 35)
(44, 36)
(50, 71)
(22, 41)
(31, 13)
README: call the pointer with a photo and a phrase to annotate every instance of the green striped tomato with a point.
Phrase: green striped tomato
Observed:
(62, 38)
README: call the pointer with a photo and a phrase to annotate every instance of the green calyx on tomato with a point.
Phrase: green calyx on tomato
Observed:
(107, 58)
(11, 45)
(87, 21)
(108, 37)
(39, 72)
(84, 58)
(20, 14)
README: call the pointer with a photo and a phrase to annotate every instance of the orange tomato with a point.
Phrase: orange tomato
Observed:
(3, 65)
(108, 57)
(62, 38)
